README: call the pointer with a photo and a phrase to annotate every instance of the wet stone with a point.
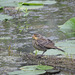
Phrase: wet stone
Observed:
(53, 71)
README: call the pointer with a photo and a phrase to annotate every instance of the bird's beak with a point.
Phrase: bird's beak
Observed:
(35, 38)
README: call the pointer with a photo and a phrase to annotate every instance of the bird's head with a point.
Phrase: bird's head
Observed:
(36, 36)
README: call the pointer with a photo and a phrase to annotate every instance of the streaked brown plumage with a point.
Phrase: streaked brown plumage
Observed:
(43, 44)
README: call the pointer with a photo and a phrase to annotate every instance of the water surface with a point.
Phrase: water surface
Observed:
(18, 32)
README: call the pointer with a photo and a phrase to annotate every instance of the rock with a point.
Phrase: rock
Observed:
(53, 71)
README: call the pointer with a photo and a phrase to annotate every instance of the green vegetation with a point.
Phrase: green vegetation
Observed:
(14, 3)
(22, 5)
(44, 67)
(31, 4)
(5, 38)
(42, 2)
(9, 51)
(34, 4)
(32, 70)
(36, 52)
(1, 8)
(69, 27)
(5, 17)
(26, 12)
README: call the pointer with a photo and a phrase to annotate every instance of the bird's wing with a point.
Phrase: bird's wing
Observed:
(49, 44)
(45, 43)
(41, 42)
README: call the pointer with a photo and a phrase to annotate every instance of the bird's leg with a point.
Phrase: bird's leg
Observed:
(42, 54)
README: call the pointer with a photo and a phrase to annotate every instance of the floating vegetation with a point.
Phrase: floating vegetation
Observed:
(32, 70)
(10, 2)
(1, 8)
(5, 38)
(44, 67)
(42, 2)
(31, 4)
(5, 17)
(69, 27)
(28, 7)
(34, 4)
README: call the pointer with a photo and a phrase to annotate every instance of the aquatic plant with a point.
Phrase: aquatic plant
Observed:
(31, 70)
(68, 27)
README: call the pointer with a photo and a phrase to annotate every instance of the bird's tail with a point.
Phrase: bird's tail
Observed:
(60, 49)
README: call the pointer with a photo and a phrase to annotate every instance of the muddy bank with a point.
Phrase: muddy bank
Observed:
(63, 64)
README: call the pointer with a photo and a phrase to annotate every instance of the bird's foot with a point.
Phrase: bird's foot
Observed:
(39, 56)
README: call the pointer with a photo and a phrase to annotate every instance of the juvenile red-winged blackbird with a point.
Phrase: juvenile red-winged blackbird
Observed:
(43, 44)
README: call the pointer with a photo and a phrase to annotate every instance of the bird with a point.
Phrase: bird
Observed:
(43, 44)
